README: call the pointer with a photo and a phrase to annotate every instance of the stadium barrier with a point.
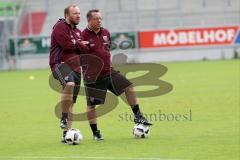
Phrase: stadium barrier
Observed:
(41, 45)
(155, 39)
(189, 44)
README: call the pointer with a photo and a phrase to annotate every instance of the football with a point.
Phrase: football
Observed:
(73, 136)
(141, 131)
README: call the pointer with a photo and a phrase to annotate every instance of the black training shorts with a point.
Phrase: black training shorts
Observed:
(96, 92)
(64, 74)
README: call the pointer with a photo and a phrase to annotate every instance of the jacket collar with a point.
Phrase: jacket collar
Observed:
(64, 20)
(89, 29)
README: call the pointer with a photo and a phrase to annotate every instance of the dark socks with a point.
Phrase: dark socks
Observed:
(136, 109)
(94, 127)
(64, 115)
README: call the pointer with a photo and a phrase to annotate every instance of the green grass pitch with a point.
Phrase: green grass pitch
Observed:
(207, 91)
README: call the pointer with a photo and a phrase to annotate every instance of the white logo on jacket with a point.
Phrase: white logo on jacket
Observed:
(105, 38)
(78, 34)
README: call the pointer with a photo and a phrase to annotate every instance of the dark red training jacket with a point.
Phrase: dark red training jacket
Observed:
(99, 47)
(66, 46)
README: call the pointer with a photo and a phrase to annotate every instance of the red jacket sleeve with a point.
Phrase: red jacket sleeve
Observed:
(61, 35)
(83, 49)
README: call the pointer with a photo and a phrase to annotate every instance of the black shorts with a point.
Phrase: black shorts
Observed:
(96, 92)
(64, 74)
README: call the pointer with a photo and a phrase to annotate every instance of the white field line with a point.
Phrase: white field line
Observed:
(82, 157)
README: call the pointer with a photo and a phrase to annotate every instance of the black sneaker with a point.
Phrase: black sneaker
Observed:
(97, 136)
(63, 140)
(139, 119)
(63, 137)
(63, 123)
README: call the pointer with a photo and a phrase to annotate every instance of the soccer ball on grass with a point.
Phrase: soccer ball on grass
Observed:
(141, 131)
(73, 136)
